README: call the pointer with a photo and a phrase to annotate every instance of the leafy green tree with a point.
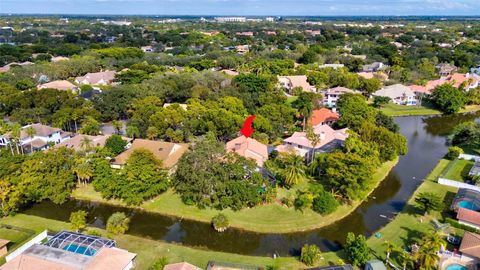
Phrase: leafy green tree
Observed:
(325, 203)
(131, 76)
(354, 110)
(369, 86)
(466, 134)
(78, 220)
(90, 126)
(303, 200)
(448, 99)
(356, 249)
(453, 152)
(83, 170)
(118, 223)
(310, 254)
(429, 201)
(115, 144)
(380, 101)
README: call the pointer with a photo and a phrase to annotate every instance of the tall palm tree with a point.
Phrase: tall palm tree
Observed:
(389, 248)
(406, 260)
(434, 239)
(75, 118)
(427, 257)
(86, 143)
(84, 171)
(294, 171)
(314, 139)
(31, 132)
(15, 136)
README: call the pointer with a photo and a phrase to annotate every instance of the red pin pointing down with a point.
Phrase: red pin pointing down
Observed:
(247, 129)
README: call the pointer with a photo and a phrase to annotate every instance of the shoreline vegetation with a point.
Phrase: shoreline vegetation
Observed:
(395, 110)
(269, 218)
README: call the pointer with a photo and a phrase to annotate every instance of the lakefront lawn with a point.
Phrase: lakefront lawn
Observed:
(272, 217)
(392, 109)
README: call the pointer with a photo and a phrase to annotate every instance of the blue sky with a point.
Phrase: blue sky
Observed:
(245, 7)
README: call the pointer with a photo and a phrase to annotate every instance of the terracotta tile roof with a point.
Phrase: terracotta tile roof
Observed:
(470, 244)
(180, 266)
(26, 262)
(322, 115)
(60, 85)
(167, 152)
(110, 258)
(327, 135)
(249, 148)
(457, 79)
(469, 216)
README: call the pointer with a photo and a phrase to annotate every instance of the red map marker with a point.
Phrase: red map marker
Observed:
(247, 129)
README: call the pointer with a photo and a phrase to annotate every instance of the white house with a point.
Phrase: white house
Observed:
(97, 78)
(42, 138)
(398, 94)
(331, 95)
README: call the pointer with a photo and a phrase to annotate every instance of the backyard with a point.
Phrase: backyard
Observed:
(458, 170)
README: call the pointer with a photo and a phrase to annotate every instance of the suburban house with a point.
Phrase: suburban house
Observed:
(373, 67)
(42, 138)
(398, 94)
(466, 198)
(7, 67)
(71, 251)
(470, 246)
(323, 116)
(334, 66)
(241, 49)
(230, 72)
(63, 85)
(468, 217)
(248, 148)
(290, 82)
(181, 266)
(169, 153)
(97, 78)
(423, 90)
(370, 75)
(331, 95)
(77, 142)
(445, 69)
(329, 139)
(467, 81)
(59, 58)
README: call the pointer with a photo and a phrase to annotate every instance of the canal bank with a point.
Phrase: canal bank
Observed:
(426, 140)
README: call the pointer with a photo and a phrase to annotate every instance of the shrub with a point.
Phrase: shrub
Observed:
(78, 220)
(325, 203)
(220, 222)
(118, 223)
(159, 264)
(310, 254)
(356, 249)
(93, 232)
(453, 152)
(304, 200)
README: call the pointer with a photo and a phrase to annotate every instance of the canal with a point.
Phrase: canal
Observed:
(426, 143)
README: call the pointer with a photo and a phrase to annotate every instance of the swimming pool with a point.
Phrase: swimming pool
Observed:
(456, 267)
(80, 250)
(467, 204)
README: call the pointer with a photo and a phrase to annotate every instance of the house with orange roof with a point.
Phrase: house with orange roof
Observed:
(291, 82)
(468, 217)
(470, 246)
(249, 148)
(323, 116)
(465, 80)
(300, 144)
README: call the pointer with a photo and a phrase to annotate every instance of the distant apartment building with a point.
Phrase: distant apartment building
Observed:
(230, 19)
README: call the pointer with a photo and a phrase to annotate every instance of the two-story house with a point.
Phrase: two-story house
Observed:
(43, 136)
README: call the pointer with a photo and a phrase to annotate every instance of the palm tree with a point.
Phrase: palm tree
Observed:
(31, 132)
(314, 139)
(406, 260)
(152, 133)
(86, 143)
(389, 247)
(434, 239)
(133, 131)
(84, 171)
(427, 257)
(15, 135)
(294, 171)
(75, 117)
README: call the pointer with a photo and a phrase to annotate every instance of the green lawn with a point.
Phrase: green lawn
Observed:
(264, 218)
(458, 170)
(291, 99)
(392, 109)
(16, 236)
(148, 250)
(409, 225)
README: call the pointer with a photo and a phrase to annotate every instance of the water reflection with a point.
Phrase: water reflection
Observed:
(426, 143)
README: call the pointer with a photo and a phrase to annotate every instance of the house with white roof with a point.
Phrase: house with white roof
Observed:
(97, 78)
(398, 94)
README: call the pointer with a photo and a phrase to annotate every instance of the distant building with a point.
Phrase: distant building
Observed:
(77, 142)
(7, 67)
(169, 153)
(63, 85)
(97, 78)
(248, 148)
(43, 137)
(246, 34)
(184, 106)
(334, 66)
(313, 32)
(331, 96)
(398, 94)
(72, 251)
(230, 19)
(299, 144)
(147, 48)
(230, 72)
(373, 67)
(467, 81)
(241, 49)
(117, 23)
(445, 69)
(59, 58)
(475, 70)
(291, 82)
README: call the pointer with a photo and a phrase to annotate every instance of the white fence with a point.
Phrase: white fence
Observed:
(37, 239)
(452, 183)
(468, 157)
